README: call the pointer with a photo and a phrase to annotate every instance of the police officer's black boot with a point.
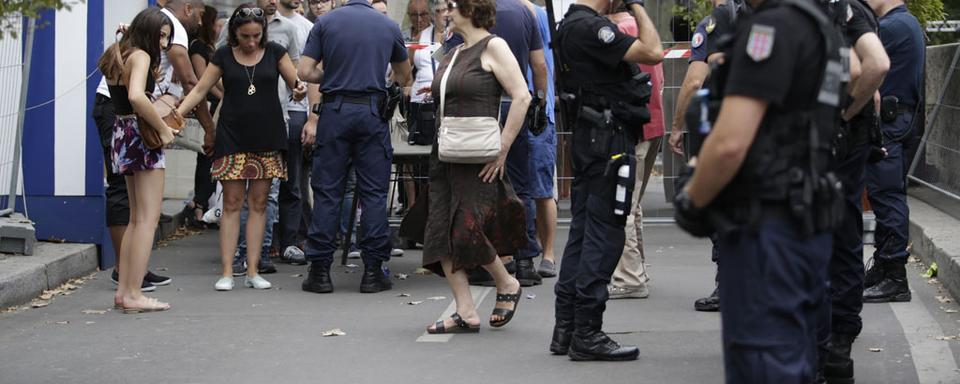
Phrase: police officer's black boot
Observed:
(562, 334)
(318, 279)
(874, 274)
(893, 287)
(710, 303)
(590, 343)
(839, 366)
(527, 273)
(373, 280)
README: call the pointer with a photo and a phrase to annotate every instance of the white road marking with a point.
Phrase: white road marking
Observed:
(932, 358)
(478, 293)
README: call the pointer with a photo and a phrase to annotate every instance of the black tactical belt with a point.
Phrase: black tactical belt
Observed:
(352, 99)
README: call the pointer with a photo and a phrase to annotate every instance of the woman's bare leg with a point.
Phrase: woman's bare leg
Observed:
(146, 198)
(256, 221)
(461, 296)
(233, 193)
(506, 284)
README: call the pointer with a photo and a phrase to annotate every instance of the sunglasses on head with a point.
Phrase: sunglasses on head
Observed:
(250, 12)
(451, 5)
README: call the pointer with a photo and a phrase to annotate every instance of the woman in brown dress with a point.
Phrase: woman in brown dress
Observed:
(473, 213)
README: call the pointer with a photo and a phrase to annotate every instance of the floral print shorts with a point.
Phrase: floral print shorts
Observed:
(129, 154)
(249, 166)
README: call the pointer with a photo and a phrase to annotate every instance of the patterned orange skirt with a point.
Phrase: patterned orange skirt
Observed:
(249, 166)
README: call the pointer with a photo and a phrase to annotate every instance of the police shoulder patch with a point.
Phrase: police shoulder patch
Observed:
(606, 35)
(697, 40)
(760, 42)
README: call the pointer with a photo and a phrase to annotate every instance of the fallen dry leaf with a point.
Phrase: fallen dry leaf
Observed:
(944, 299)
(423, 271)
(297, 275)
(91, 322)
(162, 269)
(404, 295)
(94, 312)
(46, 295)
(913, 259)
(437, 298)
(950, 310)
(946, 338)
(933, 281)
(65, 322)
(875, 349)
(415, 302)
(333, 332)
(39, 304)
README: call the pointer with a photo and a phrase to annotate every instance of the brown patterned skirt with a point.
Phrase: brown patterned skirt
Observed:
(470, 222)
(249, 166)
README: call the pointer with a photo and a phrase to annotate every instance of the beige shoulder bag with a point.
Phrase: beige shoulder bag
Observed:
(465, 140)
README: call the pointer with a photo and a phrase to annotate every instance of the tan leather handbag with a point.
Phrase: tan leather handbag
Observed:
(165, 105)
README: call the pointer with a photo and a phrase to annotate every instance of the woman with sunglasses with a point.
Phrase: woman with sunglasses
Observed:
(468, 223)
(251, 133)
(130, 67)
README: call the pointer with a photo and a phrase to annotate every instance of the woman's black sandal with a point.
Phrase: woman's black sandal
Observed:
(506, 314)
(460, 326)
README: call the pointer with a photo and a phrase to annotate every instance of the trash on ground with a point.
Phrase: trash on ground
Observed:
(65, 322)
(404, 295)
(162, 269)
(415, 302)
(875, 349)
(297, 275)
(950, 310)
(947, 338)
(422, 271)
(333, 332)
(437, 298)
(39, 303)
(933, 281)
(91, 322)
(94, 312)
(401, 276)
(531, 296)
(931, 272)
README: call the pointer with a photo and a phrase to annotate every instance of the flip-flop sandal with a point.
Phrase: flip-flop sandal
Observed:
(506, 314)
(156, 308)
(460, 326)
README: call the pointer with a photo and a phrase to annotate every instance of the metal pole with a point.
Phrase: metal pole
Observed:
(18, 143)
(935, 112)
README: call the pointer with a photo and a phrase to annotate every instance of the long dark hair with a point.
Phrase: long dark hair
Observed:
(143, 33)
(237, 21)
(207, 32)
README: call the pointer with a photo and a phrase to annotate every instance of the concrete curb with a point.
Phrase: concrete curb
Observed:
(23, 278)
(934, 237)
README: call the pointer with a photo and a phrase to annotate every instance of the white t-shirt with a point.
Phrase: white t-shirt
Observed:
(166, 83)
(426, 65)
(303, 31)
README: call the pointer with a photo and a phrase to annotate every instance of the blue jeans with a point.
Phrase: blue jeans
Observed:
(271, 215)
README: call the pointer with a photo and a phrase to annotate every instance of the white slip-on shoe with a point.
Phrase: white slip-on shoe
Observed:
(224, 284)
(256, 282)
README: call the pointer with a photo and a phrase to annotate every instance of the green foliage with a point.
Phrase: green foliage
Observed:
(11, 12)
(696, 10)
(927, 10)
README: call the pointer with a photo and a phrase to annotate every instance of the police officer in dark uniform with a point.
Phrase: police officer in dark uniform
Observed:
(347, 53)
(762, 183)
(900, 110)
(605, 95)
(852, 145)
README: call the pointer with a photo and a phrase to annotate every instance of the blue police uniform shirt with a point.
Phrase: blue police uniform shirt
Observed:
(903, 40)
(517, 26)
(698, 43)
(544, 26)
(355, 43)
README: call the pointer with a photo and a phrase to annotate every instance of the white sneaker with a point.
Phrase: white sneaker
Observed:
(396, 252)
(224, 284)
(256, 282)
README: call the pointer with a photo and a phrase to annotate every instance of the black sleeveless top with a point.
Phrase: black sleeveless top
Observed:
(121, 98)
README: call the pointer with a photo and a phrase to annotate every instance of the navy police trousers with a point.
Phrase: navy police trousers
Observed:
(349, 132)
(774, 282)
(887, 188)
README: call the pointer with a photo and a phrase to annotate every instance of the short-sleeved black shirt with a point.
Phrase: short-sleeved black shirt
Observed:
(250, 123)
(788, 78)
(861, 21)
(722, 21)
(592, 47)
